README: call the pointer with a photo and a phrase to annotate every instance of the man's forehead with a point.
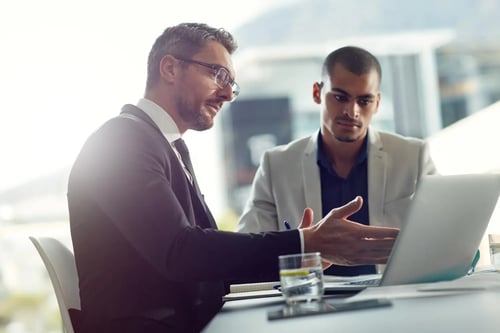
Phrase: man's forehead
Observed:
(342, 81)
(339, 70)
(215, 53)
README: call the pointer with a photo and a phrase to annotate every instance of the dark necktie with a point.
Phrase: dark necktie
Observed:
(181, 147)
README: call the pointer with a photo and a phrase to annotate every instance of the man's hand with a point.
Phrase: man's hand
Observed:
(307, 220)
(344, 242)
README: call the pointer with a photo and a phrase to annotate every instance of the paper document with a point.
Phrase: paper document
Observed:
(244, 287)
(252, 290)
(251, 294)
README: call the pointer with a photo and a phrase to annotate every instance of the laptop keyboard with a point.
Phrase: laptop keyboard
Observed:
(367, 282)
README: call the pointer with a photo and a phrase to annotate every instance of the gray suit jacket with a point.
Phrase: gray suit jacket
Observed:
(288, 180)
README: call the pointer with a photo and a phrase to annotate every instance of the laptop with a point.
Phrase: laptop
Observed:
(441, 233)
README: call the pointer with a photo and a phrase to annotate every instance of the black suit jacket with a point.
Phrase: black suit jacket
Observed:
(148, 252)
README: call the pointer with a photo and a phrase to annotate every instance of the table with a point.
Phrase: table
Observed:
(470, 311)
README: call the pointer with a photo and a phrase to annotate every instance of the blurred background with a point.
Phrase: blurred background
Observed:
(67, 66)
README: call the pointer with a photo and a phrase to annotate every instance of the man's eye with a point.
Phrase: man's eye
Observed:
(223, 76)
(341, 98)
(364, 101)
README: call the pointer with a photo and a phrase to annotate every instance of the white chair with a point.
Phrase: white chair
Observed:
(60, 264)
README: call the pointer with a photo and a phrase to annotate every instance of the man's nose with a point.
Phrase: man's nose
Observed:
(226, 93)
(352, 110)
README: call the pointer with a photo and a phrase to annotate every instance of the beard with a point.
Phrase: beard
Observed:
(195, 117)
(345, 139)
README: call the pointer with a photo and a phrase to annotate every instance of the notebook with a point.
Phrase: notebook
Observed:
(441, 233)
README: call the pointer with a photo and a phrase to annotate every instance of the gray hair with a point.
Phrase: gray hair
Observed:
(185, 40)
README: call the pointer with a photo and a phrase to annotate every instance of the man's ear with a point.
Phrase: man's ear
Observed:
(317, 92)
(168, 67)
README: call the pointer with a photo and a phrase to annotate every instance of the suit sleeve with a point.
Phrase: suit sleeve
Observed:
(124, 187)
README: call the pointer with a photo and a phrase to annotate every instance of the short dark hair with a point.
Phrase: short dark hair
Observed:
(355, 59)
(185, 40)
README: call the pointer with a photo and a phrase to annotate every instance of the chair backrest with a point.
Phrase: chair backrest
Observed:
(60, 264)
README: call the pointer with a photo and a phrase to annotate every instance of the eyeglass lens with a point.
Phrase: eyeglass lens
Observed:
(222, 79)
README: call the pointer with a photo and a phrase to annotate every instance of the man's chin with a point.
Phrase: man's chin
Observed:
(346, 139)
(203, 125)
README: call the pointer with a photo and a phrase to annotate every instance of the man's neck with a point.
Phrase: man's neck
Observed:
(342, 155)
(166, 104)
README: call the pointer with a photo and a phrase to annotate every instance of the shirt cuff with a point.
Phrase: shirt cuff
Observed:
(301, 235)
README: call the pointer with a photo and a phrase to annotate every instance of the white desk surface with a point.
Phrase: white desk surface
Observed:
(474, 310)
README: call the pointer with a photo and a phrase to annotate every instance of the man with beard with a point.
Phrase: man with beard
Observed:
(147, 249)
(346, 158)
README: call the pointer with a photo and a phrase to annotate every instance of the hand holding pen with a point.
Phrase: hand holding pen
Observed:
(307, 220)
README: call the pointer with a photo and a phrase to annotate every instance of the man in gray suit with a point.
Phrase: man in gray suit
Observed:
(346, 158)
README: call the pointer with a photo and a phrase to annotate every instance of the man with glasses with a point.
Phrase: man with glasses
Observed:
(147, 249)
(221, 75)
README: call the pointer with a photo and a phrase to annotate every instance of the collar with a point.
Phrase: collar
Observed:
(323, 159)
(161, 118)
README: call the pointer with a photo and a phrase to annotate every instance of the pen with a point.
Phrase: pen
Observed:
(287, 225)
(474, 263)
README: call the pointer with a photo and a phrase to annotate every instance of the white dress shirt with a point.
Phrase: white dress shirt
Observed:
(166, 125)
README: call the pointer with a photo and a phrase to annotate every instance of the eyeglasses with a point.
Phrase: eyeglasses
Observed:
(222, 77)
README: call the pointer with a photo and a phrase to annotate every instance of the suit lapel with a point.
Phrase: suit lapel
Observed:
(196, 196)
(193, 186)
(311, 178)
(377, 174)
(200, 201)
(203, 215)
